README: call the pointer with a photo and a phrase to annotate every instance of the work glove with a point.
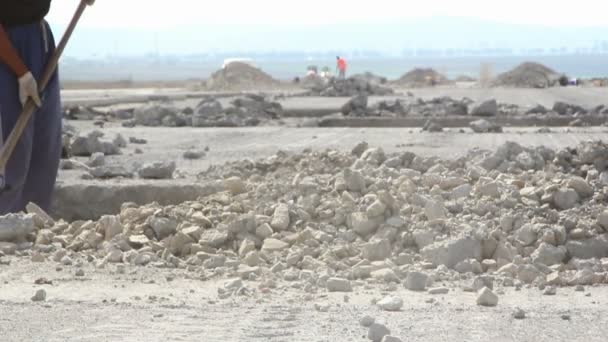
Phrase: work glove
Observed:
(90, 2)
(28, 87)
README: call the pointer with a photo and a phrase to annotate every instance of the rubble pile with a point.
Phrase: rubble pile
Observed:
(238, 76)
(352, 86)
(528, 75)
(328, 220)
(418, 78)
(248, 110)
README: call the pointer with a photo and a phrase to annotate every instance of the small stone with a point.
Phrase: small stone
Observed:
(274, 245)
(80, 273)
(193, 155)
(40, 296)
(338, 285)
(158, 170)
(96, 159)
(264, 231)
(280, 219)
(416, 281)
(390, 303)
(367, 321)
(579, 288)
(550, 291)
(438, 290)
(377, 332)
(485, 297)
(565, 317)
(519, 313)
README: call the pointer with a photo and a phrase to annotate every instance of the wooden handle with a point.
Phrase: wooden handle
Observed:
(30, 107)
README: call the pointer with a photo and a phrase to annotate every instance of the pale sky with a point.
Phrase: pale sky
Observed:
(156, 14)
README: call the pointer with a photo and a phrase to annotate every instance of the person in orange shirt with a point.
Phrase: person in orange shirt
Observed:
(341, 67)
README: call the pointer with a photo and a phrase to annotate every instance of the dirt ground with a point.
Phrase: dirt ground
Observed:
(148, 304)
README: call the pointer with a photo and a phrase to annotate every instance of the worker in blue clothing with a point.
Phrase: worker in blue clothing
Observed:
(26, 45)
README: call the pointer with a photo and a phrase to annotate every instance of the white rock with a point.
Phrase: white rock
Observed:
(486, 297)
(377, 332)
(376, 209)
(550, 291)
(235, 185)
(526, 235)
(110, 226)
(338, 285)
(157, 170)
(390, 303)
(96, 159)
(565, 198)
(280, 219)
(274, 245)
(434, 210)
(582, 188)
(264, 231)
(376, 250)
(416, 281)
(549, 255)
(461, 191)
(452, 251)
(361, 224)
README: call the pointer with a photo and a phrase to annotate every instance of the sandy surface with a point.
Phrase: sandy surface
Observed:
(148, 304)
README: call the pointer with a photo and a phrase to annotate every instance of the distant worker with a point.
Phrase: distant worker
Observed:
(341, 67)
(26, 46)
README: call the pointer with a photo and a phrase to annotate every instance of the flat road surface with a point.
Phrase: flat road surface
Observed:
(148, 304)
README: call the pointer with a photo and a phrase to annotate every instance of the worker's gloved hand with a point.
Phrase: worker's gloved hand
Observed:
(28, 87)
(90, 2)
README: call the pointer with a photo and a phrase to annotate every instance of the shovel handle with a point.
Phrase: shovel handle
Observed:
(29, 108)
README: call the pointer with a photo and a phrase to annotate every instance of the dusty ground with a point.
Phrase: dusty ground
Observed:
(148, 304)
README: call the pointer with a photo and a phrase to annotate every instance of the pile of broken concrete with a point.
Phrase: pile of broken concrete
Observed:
(328, 220)
(352, 86)
(248, 110)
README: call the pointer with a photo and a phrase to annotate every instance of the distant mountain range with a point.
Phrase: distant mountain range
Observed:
(389, 37)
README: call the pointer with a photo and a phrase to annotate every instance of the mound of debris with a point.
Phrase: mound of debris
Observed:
(247, 110)
(418, 78)
(437, 107)
(371, 78)
(350, 87)
(528, 75)
(333, 221)
(238, 76)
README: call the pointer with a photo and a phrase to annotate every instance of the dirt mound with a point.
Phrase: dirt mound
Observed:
(370, 77)
(240, 76)
(422, 78)
(528, 75)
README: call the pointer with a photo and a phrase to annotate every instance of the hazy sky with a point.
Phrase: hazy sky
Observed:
(147, 14)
